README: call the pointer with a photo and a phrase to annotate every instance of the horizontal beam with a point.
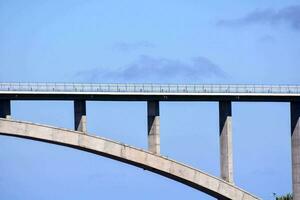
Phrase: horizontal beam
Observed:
(150, 87)
(149, 97)
(148, 92)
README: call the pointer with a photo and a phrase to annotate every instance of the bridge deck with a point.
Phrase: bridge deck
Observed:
(145, 92)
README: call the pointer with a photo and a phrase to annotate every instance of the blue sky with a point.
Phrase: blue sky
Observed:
(190, 41)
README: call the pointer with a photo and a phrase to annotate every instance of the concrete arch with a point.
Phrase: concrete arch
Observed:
(140, 158)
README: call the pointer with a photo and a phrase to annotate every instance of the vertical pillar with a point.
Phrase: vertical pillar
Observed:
(80, 115)
(153, 127)
(226, 157)
(295, 131)
(5, 109)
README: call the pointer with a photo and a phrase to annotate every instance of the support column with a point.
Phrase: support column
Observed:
(153, 127)
(80, 115)
(226, 157)
(295, 131)
(5, 109)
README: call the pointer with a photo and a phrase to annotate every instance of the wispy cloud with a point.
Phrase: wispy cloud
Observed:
(151, 69)
(127, 46)
(288, 15)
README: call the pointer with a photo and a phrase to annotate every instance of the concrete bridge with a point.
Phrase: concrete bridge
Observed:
(221, 188)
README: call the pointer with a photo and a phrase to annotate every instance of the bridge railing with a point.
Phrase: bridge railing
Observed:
(148, 88)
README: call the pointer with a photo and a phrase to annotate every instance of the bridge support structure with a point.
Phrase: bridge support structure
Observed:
(80, 115)
(161, 165)
(295, 134)
(153, 127)
(5, 111)
(226, 155)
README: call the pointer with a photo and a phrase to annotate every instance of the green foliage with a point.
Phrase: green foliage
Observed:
(288, 196)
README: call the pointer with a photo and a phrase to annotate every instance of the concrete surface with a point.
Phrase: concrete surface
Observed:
(148, 92)
(295, 133)
(80, 115)
(153, 127)
(158, 164)
(226, 155)
(5, 109)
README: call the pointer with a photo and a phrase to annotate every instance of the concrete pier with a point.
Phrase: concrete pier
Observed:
(295, 131)
(80, 115)
(153, 127)
(5, 109)
(226, 157)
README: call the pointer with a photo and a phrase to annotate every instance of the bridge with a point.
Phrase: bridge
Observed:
(222, 187)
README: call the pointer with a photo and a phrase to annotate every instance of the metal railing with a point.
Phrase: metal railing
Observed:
(149, 88)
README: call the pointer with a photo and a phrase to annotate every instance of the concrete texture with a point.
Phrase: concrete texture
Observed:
(80, 115)
(295, 131)
(149, 92)
(5, 109)
(153, 127)
(149, 161)
(226, 155)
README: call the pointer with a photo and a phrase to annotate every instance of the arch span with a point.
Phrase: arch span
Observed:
(140, 158)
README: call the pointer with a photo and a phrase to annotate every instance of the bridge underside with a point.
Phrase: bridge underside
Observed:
(140, 158)
(242, 97)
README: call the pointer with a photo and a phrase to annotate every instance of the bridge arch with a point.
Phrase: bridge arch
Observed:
(172, 169)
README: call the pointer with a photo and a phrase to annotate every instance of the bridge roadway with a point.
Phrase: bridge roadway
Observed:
(153, 94)
(148, 92)
(140, 158)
